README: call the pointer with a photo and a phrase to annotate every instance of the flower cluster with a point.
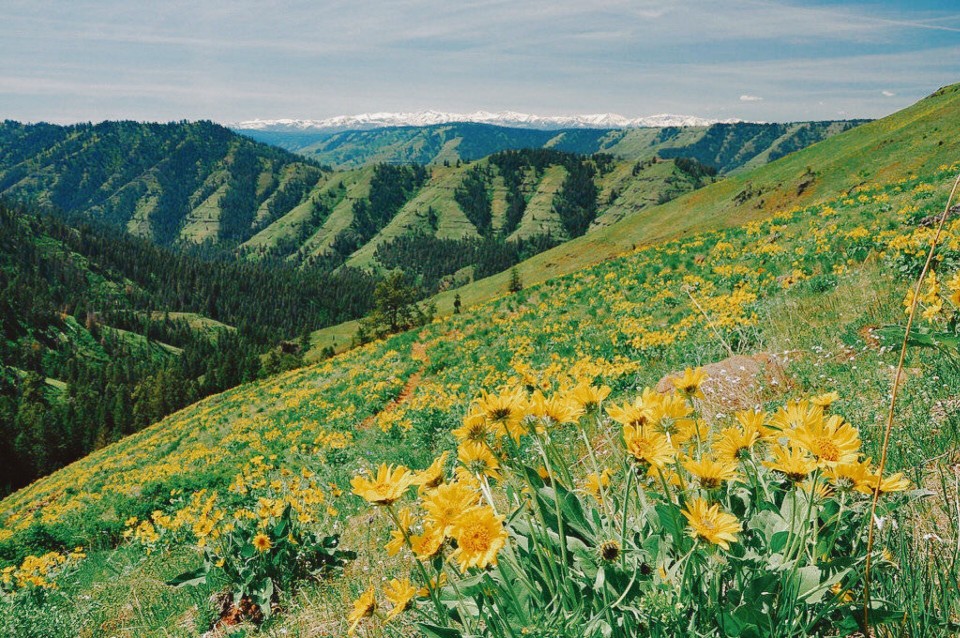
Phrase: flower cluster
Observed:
(756, 495)
(38, 572)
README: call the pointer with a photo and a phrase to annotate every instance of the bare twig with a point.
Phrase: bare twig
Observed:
(726, 345)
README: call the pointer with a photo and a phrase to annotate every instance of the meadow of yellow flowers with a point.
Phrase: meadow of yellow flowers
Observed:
(510, 471)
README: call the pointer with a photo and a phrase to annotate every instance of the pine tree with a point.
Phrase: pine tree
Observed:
(516, 284)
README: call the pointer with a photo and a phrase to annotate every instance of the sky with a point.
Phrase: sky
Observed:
(231, 60)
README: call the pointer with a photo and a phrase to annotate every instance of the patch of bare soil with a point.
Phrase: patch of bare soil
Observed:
(739, 382)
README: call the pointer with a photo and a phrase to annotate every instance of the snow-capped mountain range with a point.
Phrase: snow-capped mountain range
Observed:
(503, 118)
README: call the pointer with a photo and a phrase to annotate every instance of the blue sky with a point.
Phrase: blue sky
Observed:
(228, 60)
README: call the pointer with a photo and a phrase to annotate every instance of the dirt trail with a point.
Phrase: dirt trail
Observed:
(418, 352)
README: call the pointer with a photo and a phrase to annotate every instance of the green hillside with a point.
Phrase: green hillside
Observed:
(912, 141)
(507, 206)
(127, 332)
(792, 267)
(173, 182)
(726, 147)
(198, 184)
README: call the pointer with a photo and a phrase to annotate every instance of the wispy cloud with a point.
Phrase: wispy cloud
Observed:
(236, 59)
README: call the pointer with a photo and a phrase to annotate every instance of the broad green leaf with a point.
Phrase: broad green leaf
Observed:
(814, 583)
(192, 577)
(262, 594)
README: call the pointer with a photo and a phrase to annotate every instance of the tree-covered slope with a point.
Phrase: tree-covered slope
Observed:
(184, 181)
(725, 147)
(102, 333)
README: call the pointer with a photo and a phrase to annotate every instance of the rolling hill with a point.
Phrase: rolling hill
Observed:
(725, 147)
(102, 333)
(796, 262)
(177, 182)
(911, 141)
(189, 184)
(199, 184)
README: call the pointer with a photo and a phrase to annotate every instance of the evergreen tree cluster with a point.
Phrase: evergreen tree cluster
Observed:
(109, 172)
(433, 261)
(86, 356)
(576, 201)
(390, 188)
(394, 308)
(474, 199)
(266, 300)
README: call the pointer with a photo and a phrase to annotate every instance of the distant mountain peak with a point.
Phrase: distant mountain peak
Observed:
(502, 118)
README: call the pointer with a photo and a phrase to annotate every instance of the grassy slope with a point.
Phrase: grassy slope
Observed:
(356, 185)
(912, 140)
(203, 221)
(636, 193)
(412, 217)
(539, 216)
(195, 321)
(288, 226)
(620, 193)
(594, 324)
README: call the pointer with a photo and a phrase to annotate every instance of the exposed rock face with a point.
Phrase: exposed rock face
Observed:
(739, 382)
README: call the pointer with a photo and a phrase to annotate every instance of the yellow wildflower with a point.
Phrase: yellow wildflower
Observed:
(826, 399)
(387, 486)
(734, 444)
(830, 441)
(474, 428)
(596, 484)
(427, 545)
(400, 593)
(671, 417)
(480, 535)
(589, 397)
(791, 461)
(709, 523)
(363, 607)
(443, 505)
(689, 384)
(710, 472)
(433, 475)
(261, 542)
(555, 411)
(648, 447)
(504, 412)
(398, 535)
(478, 458)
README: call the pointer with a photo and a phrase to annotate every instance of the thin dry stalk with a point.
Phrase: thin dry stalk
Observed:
(893, 398)
(709, 321)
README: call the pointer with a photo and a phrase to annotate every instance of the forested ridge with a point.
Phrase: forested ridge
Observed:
(93, 344)
(724, 146)
(149, 178)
